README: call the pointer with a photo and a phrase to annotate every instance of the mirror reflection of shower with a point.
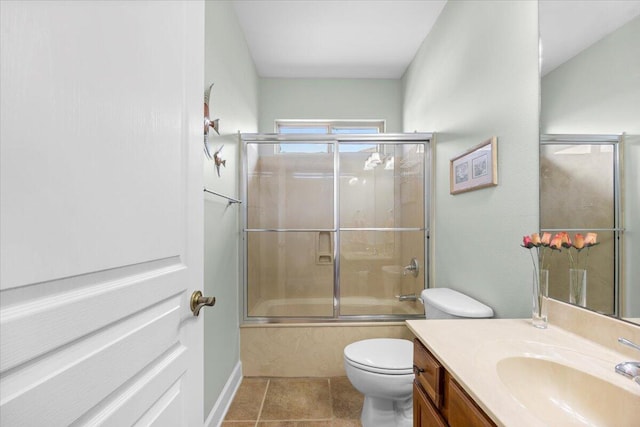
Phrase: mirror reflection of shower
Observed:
(580, 193)
(330, 223)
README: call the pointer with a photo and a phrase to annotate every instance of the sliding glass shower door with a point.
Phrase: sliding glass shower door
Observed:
(333, 225)
(382, 228)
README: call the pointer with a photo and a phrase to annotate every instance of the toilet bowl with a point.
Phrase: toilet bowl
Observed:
(382, 368)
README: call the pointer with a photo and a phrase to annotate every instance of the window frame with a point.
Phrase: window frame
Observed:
(332, 125)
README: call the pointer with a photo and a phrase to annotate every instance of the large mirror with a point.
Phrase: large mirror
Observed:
(590, 146)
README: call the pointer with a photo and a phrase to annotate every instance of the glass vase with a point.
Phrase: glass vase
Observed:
(539, 317)
(578, 286)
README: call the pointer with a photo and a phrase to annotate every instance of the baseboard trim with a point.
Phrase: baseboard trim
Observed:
(219, 410)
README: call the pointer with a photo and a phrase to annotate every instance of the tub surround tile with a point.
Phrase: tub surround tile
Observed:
(306, 351)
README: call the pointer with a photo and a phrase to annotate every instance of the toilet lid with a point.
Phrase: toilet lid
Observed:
(384, 355)
(454, 303)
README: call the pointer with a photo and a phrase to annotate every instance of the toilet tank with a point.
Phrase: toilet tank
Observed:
(445, 303)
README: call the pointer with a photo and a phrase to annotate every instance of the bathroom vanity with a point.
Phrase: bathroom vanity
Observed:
(504, 372)
(438, 400)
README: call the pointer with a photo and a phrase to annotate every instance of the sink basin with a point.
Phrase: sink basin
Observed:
(561, 395)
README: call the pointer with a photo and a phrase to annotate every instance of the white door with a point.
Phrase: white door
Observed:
(101, 217)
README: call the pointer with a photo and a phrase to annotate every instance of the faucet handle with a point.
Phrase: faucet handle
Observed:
(413, 268)
(628, 343)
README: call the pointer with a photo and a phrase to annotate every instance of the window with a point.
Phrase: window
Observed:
(316, 127)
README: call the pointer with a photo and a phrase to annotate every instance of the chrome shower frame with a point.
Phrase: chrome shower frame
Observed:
(334, 140)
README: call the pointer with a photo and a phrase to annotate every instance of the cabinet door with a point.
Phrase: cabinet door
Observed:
(424, 413)
(429, 373)
(463, 411)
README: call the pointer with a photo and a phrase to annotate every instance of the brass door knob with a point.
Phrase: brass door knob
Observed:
(198, 301)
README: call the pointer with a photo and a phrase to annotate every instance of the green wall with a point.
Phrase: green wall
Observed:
(234, 100)
(476, 76)
(344, 99)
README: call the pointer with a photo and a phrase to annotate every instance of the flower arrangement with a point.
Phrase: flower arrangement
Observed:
(558, 242)
(577, 262)
(545, 242)
(540, 274)
(580, 242)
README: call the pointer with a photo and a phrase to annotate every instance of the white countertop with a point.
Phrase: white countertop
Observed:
(471, 349)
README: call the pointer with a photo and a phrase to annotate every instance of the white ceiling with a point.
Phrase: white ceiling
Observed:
(335, 38)
(568, 27)
(379, 38)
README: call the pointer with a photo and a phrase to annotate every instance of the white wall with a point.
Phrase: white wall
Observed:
(234, 99)
(476, 76)
(598, 91)
(330, 99)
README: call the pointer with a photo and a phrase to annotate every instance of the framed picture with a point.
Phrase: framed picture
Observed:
(475, 168)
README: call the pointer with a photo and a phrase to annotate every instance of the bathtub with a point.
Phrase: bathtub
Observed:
(323, 307)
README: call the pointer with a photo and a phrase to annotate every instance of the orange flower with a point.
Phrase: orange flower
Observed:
(535, 239)
(556, 242)
(581, 242)
(578, 242)
(591, 239)
(566, 240)
(546, 239)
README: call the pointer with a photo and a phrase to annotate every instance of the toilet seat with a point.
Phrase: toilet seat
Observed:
(387, 356)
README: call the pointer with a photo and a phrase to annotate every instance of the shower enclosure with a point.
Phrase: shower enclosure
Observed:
(579, 193)
(334, 226)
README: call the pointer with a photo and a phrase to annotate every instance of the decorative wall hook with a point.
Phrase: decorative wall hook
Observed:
(217, 159)
(207, 121)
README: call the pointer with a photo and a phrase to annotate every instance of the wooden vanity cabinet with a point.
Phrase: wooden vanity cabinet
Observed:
(438, 400)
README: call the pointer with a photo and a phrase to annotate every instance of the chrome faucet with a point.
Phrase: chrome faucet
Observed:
(408, 297)
(629, 369)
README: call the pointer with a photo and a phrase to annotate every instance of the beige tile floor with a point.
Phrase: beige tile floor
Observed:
(295, 402)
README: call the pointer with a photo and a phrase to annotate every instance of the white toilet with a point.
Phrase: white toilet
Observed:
(382, 368)
(445, 303)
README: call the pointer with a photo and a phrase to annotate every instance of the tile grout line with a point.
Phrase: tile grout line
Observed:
(330, 398)
(264, 397)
